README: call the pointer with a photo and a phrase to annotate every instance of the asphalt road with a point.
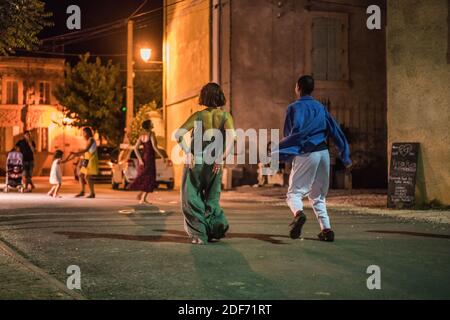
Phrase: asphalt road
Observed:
(126, 251)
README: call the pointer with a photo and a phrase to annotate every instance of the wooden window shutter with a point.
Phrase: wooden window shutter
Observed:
(334, 64)
(320, 48)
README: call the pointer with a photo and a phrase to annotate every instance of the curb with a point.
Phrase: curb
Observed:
(39, 272)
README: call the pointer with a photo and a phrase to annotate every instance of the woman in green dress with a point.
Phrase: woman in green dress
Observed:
(202, 178)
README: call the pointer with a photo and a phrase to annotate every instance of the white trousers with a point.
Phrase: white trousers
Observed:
(310, 177)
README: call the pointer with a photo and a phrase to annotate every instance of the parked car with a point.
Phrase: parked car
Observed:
(124, 170)
(106, 156)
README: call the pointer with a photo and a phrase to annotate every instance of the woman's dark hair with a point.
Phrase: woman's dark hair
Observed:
(58, 155)
(306, 84)
(212, 96)
(88, 132)
(147, 125)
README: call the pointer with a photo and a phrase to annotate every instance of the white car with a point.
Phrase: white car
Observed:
(124, 170)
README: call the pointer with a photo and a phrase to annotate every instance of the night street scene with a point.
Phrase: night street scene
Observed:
(250, 152)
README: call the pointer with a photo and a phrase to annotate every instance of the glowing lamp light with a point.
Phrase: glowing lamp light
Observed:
(146, 54)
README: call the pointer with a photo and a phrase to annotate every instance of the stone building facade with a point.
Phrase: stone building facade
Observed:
(257, 49)
(27, 103)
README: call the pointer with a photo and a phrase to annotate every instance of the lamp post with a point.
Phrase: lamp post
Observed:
(130, 81)
(146, 55)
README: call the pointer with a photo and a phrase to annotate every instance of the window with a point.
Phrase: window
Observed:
(329, 37)
(2, 139)
(6, 139)
(44, 139)
(44, 93)
(40, 137)
(12, 92)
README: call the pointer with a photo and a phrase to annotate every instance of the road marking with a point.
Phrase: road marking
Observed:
(39, 272)
(127, 212)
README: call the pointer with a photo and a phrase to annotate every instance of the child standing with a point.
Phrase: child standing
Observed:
(56, 174)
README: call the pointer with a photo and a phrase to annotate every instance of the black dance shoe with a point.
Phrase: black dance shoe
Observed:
(326, 235)
(297, 225)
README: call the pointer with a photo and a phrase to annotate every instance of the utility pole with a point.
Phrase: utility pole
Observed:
(130, 80)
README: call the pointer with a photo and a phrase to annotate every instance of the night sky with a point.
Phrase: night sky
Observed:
(97, 12)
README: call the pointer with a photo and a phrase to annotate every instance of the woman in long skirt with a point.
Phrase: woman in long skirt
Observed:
(202, 178)
(89, 164)
(145, 181)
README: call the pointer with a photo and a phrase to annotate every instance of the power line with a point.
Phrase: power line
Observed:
(141, 24)
(76, 54)
(138, 9)
(73, 37)
(81, 32)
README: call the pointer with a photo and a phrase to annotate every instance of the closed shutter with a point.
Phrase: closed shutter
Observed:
(2, 139)
(329, 48)
(47, 93)
(12, 92)
(334, 62)
(320, 48)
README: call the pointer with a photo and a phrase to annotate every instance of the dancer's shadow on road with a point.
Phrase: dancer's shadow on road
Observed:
(74, 235)
(173, 236)
(412, 234)
(270, 238)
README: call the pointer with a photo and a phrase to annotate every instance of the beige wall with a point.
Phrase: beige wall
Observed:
(418, 89)
(187, 63)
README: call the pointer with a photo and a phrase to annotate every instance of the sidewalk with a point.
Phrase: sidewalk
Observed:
(355, 202)
(18, 282)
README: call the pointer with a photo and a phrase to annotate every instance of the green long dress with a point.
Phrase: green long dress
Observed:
(200, 193)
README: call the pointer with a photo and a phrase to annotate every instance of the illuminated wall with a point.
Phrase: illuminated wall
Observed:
(187, 63)
(418, 89)
(44, 119)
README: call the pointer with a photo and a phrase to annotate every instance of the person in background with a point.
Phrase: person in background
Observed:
(89, 164)
(27, 147)
(145, 181)
(56, 174)
(307, 128)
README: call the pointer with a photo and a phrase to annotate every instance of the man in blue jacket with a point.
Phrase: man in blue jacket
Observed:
(307, 128)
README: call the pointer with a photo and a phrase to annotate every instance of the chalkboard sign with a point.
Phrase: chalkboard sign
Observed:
(402, 176)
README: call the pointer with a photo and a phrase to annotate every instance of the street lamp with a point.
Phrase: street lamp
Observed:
(146, 54)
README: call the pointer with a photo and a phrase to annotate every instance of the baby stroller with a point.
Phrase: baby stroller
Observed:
(14, 169)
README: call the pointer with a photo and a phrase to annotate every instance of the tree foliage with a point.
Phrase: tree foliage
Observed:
(92, 97)
(142, 115)
(20, 23)
(148, 88)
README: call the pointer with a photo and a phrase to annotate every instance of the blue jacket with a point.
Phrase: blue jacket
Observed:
(307, 125)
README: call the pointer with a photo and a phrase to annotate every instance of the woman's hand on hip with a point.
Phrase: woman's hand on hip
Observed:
(217, 168)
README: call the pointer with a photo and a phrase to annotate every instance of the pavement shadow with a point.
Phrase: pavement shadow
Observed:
(270, 238)
(128, 237)
(414, 234)
(172, 236)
